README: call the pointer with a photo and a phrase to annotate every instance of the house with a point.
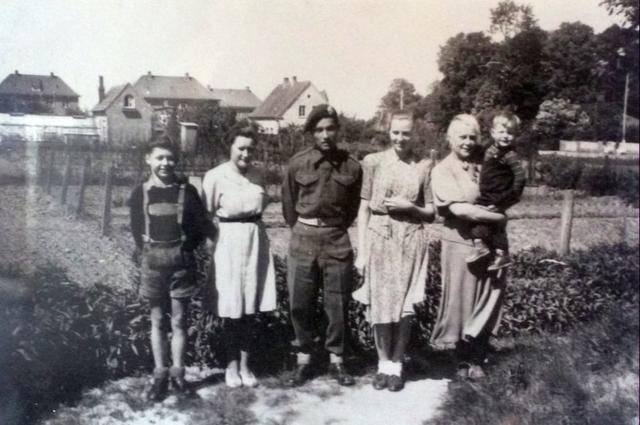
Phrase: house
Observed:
(48, 128)
(240, 101)
(288, 104)
(37, 94)
(123, 116)
(171, 91)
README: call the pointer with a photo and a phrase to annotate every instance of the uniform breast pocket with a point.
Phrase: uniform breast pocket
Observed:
(308, 188)
(342, 183)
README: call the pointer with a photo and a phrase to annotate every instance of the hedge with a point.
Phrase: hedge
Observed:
(62, 337)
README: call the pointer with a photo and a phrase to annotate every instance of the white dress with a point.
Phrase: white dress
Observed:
(244, 272)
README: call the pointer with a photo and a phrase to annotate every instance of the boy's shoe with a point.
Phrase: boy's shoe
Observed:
(395, 383)
(500, 262)
(299, 376)
(380, 381)
(480, 250)
(159, 386)
(179, 384)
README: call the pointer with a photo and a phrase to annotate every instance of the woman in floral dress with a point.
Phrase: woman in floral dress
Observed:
(244, 277)
(392, 245)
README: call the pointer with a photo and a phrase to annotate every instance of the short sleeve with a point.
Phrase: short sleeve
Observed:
(209, 194)
(445, 188)
(368, 169)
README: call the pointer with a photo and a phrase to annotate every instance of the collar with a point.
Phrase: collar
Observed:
(333, 156)
(393, 156)
(153, 181)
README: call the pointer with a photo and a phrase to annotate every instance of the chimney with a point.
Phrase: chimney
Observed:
(248, 88)
(101, 89)
(286, 81)
(209, 87)
(149, 74)
(186, 74)
(52, 75)
(17, 73)
(295, 79)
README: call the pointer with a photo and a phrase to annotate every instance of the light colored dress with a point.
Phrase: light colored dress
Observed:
(471, 296)
(242, 261)
(396, 272)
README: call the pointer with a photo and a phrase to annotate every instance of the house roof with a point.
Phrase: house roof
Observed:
(110, 97)
(280, 100)
(36, 85)
(236, 98)
(166, 87)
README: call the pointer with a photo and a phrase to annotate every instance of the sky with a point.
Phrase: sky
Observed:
(353, 49)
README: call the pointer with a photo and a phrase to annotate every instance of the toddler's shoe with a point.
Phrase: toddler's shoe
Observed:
(480, 250)
(159, 386)
(500, 262)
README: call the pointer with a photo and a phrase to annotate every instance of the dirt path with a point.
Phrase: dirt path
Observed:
(319, 402)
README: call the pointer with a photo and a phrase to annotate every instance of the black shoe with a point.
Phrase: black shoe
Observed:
(299, 376)
(181, 387)
(340, 374)
(395, 383)
(159, 386)
(380, 381)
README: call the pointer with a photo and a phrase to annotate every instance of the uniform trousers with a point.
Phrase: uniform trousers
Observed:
(319, 257)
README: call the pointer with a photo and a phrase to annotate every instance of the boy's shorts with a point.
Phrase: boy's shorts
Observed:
(167, 271)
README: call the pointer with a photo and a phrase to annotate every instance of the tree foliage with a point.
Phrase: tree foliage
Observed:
(629, 9)
(509, 18)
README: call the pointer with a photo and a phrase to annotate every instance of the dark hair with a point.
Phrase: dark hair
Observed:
(247, 131)
(162, 142)
(318, 113)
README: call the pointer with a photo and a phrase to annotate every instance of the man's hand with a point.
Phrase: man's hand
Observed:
(360, 265)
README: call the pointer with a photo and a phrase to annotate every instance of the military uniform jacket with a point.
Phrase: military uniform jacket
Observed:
(324, 186)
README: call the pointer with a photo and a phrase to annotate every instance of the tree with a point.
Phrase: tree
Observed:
(509, 18)
(559, 118)
(401, 96)
(627, 8)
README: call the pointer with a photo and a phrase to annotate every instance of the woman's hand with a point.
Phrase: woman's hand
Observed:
(398, 204)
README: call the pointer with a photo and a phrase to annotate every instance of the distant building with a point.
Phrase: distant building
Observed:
(168, 91)
(241, 101)
(288, 104)
(123, 116)
(37, 94)
(48, 128)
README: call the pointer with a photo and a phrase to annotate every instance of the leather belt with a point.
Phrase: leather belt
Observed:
(249, 219)
(322, 222)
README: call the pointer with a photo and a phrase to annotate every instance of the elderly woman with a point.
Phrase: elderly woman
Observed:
(243, 271)
(392, 246)
(471, 296)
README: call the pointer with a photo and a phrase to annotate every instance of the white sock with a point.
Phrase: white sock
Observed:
(395, 368)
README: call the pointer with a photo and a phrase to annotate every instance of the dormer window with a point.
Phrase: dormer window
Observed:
(129, 102)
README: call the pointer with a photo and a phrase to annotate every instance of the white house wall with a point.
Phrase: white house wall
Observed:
(309, 98)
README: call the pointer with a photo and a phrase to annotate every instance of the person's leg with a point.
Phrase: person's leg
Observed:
(244, 343)
(480, 234)
(159, 349)
(500, 242)
(232, 334)
(337, 283)
(158, 334)
(382, 335)
(401, 333)
(179, 308)
(302, 279)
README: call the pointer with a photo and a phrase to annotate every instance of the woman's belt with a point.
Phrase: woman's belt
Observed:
(246, 219)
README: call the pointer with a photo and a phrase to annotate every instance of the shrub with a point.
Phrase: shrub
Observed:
(61, 337)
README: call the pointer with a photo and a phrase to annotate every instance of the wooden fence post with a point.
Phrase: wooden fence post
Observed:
(83, 185)
(106, 212)
(566, 221)
(65, 179)
(49, 178)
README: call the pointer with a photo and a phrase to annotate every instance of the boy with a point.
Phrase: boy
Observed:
(168, 221)
(501, 184)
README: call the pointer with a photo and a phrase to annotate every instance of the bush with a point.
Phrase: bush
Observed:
(61, 337)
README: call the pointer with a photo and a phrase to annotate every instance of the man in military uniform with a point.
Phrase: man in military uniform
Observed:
(320, 199)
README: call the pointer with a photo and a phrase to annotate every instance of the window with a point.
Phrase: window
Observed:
(129, 102)
(301, 110)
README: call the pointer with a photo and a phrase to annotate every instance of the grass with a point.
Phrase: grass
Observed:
(589, 376)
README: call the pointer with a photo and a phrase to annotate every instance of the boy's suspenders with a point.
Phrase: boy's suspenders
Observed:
(162, 209)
